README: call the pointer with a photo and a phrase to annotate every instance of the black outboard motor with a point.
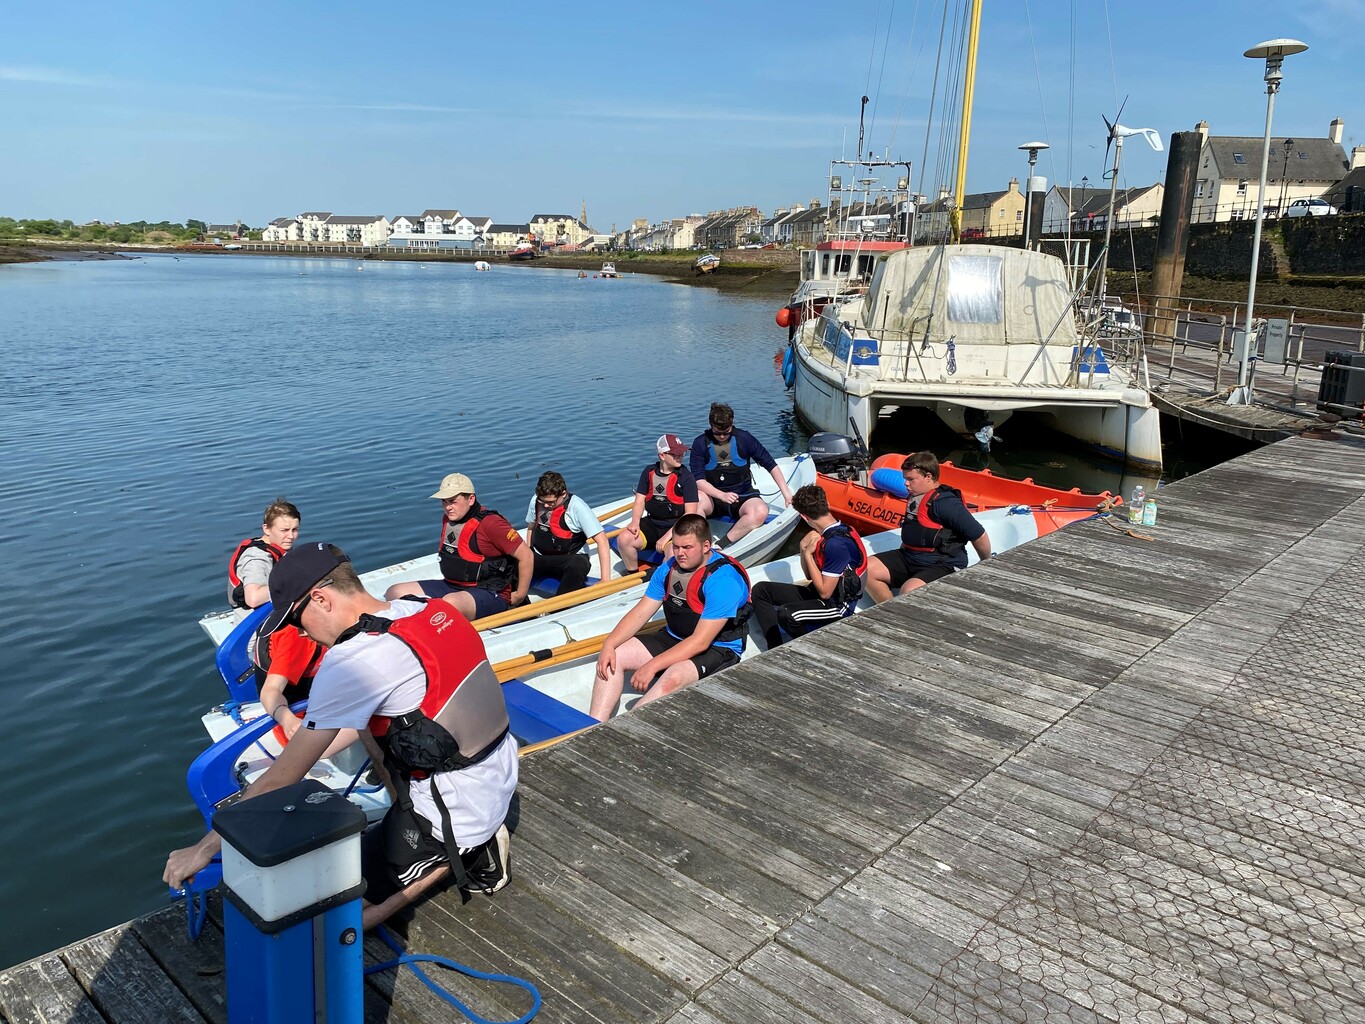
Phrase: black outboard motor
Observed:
(838, 455)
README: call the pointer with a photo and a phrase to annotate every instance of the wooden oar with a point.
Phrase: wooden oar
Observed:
(617, 511)
(535, 661)
(534, 609)
(531, 748)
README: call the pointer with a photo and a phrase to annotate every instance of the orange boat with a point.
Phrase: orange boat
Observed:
(872, 508)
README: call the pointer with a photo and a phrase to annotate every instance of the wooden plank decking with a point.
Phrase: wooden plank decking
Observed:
(1098, 779)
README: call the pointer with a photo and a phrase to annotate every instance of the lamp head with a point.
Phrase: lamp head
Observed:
(1274, 51)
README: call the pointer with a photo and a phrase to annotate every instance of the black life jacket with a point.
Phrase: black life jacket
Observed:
(685, 597)
(236, 589)
(462, 719)
(463, 565)
(550, 536)
(922, 533)
(725, 467)
(850, 585)
(665, 501)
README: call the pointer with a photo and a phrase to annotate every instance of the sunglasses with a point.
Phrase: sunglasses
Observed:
(296, 613)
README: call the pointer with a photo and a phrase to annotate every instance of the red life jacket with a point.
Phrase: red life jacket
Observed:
(685, 598)
(236, 589)
(665, 501)
(923, 533)
(850, 585)
(463, 565)
(462, 718)
(550, 536)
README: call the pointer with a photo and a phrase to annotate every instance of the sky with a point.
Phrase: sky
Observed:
(251, 111)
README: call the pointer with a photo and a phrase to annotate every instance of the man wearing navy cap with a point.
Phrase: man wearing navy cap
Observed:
(414, 677)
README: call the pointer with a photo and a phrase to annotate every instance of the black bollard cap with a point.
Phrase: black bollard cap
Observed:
(287, 823)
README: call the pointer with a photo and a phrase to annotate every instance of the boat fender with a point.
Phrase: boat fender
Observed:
(784, 317)
(890, 481)
(789, 368)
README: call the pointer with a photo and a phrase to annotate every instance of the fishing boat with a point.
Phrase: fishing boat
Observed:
(706, 264)
(869, 216)
(608, 270)
(524, 251)
(518, 637)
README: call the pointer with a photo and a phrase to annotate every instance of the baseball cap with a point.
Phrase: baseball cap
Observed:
(671, 444)
(453, 484)
(302, 567)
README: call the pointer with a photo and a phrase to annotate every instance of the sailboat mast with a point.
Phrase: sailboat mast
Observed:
(968, 88)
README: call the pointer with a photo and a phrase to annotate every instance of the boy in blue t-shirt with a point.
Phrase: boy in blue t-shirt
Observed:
(705, 599)
(834, 560)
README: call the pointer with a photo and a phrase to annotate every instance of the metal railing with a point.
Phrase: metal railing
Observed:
(1202, 332)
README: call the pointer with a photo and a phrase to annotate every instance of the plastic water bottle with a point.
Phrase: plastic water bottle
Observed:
(1149, 512)
(1136, 504)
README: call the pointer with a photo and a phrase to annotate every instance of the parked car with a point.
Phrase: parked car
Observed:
(1310, 208)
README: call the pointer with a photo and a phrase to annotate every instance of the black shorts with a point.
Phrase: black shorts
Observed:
(903, 571)
(398, 851)
(652, 529)
(721, 509)
(707, 663)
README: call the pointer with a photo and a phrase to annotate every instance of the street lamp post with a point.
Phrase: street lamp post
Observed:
(1033, 149)
(1284, 177)
(1273, 52)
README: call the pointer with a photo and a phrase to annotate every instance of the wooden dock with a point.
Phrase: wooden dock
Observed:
(1098, 779)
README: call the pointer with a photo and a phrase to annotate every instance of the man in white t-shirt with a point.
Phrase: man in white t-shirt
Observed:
(414, 678)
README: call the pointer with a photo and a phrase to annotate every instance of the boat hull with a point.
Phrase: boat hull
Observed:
(549, 631)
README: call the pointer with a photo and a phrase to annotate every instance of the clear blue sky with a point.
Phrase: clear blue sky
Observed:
(255, 110)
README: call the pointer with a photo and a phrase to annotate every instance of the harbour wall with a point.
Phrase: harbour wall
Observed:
(1331, 247)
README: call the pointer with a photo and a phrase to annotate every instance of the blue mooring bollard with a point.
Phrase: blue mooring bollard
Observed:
(291, 917)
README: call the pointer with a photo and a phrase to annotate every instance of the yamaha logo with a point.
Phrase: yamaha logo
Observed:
(318, 798)
(438, 618)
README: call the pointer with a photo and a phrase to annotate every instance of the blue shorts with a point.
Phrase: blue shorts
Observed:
(485, 601)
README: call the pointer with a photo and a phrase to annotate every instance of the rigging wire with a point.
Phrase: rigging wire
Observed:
(933, 95)
(914, 67)
(881, 71)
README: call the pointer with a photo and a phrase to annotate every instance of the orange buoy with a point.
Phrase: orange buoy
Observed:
(784, 317)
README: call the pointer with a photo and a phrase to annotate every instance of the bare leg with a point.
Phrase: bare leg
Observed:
(705, 505)
(628, 548)
(403, 590)
(372, 914)
(675, 677)
(751, 515)
(878, 580)
(464, 604)
(912, 584)
(606, 690)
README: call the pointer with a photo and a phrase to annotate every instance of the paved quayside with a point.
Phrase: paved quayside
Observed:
(1098, 778)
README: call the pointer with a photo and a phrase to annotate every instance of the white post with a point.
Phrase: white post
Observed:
(1273, 51)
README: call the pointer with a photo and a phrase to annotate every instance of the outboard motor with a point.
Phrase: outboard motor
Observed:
(838, 455)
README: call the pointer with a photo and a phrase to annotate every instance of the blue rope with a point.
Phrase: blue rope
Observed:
(413, 959)
(952, 357)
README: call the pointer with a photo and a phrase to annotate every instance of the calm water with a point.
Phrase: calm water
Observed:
(150, 409)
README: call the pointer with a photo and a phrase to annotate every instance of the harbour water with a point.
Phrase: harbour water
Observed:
(151, 408)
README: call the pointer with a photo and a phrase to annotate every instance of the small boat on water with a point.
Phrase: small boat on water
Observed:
(481, 265)
(542, 704)
(706, 264)
(548, 631)
(608, 270)
(873, 498)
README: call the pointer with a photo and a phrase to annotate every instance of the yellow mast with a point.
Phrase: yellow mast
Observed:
(968, 87)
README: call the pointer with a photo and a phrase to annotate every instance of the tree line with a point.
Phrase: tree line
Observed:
(158, 232)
